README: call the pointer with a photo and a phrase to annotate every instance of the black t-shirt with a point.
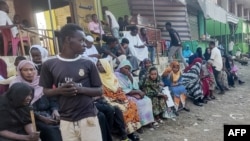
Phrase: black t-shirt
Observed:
(57, 72)
(174, 41)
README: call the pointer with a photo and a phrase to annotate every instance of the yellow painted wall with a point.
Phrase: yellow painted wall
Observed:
(83, 15)
(49, 27)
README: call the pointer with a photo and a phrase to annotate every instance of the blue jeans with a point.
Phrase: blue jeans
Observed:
(151, 50)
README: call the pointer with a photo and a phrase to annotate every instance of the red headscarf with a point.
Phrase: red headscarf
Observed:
(193, 63)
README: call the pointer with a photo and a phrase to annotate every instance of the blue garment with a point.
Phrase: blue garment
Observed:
(186, 53)
(151, 50)
(175, 90)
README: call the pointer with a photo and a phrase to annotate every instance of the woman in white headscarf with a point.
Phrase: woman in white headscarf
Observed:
(38, 55)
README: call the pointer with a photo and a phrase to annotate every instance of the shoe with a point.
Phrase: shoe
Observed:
(197, 103)
(202, 100)
(186, 109)
(221, 92)
(134, 137)
(226, 89)
(241, 82)
(212, 97)
(140, 131)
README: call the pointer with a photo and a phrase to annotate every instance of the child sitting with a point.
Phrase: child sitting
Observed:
(152, 86)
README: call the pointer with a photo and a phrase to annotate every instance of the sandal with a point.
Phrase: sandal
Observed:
(160, 121)
(212, 97)
(134, 137)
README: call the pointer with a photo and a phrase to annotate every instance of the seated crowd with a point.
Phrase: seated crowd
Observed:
(83, 94)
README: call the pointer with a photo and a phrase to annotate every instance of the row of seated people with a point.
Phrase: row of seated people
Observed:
(125, 104)
(134, 110)
(134, 115)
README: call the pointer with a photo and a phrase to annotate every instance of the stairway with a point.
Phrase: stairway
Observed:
(172, 11)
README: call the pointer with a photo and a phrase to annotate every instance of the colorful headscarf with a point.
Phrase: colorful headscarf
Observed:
(108, 78)
(175, 75)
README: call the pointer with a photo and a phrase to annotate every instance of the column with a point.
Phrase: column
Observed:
(225, 5)
(240, 11)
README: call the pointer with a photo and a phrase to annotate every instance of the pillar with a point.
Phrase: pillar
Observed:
(225, 5)
(240, 11)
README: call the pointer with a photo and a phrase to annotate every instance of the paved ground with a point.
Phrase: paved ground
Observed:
(206, 123)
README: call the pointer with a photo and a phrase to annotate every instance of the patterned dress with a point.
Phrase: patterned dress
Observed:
(152, 90)
(128, 108)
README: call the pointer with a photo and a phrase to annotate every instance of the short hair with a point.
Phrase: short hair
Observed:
(20, 58)
(68, 30)
(152, 69)
(212, 43)
(168, 24)
(133, 28)
(111, 40)
(92, 16)
(125, 41)
(142, 29)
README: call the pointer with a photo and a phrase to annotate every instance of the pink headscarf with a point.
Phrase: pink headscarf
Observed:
(35, 83)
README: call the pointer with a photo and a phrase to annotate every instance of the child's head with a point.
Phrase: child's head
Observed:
(18, 60)
(175, 66)
(153, 73)
(147, 63)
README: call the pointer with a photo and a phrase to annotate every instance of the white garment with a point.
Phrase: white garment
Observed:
(91, 51)
(216, 58)
(113, 19)
(139, 53)
(5, 20)
(44, 52)
(231, 46)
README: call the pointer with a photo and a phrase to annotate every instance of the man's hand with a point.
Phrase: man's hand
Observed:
(56, 115)
(34, 136)
(68, 89)
(48, 120)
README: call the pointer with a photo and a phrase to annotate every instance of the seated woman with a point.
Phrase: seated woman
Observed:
(15, 121)
(130, 87)
(225, 77)
(132, 59)
(152, 86)
(198, 54)
(117, 98)
(146, 64)
(38, 55)
(46, 110)
(191, 80)
(208, 80)
(172, 78)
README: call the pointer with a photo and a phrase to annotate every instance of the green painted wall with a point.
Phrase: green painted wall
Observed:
(118, 7)
(221, 31)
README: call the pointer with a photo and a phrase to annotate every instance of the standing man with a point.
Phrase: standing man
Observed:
(151, 47)
(231, 47)
(175, 45)
(111, 20)
(77, 81)
(217, 64)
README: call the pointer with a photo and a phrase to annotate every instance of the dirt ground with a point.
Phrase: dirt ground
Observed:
(206, 123)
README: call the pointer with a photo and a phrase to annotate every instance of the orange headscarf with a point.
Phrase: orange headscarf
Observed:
(176, 75)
